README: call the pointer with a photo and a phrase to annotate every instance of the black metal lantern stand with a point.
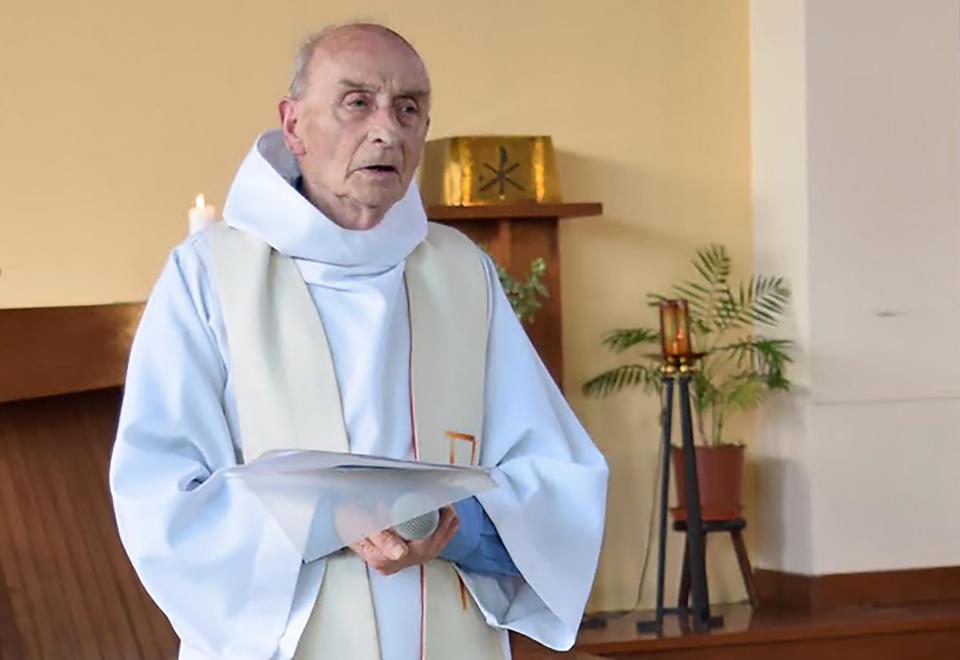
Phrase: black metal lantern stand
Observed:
(679, 364)
(678, 369)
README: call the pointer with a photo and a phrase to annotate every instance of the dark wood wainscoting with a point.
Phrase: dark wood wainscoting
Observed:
(915, 632)
(58, 350)
(816, 593)
(68, 586)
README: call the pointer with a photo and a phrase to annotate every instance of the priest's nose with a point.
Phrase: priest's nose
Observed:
(384, 128)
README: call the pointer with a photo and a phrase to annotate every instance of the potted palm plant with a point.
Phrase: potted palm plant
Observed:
(740, 366)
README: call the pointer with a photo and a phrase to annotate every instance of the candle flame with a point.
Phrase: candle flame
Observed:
(200, 202)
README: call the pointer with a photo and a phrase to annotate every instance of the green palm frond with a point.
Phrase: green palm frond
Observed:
(713, 263)
(744, 391)
(620, 340)
(699, 298)
(705, 394)
(709, 297)
(737, 369)
(627, 375)
(767, 357)
(714, 302)
(763, 300)
(653, 299)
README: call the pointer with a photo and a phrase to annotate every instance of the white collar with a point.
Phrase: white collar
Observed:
(263, 200)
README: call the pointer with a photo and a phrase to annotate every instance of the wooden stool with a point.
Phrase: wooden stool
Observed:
(735, 526)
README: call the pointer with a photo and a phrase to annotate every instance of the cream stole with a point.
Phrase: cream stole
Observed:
(288, 397)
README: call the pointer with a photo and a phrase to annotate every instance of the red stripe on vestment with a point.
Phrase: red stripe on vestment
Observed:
(413, 428)
(423, 601)
(416, 457)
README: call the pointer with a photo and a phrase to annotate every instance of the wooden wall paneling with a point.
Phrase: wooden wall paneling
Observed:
(783, 591)
(31, 552)
(532, 239)
(84, 592)
(30, 635)
(13, 580)
(933, 645)
(72, 591)
(514, 244)
(135, 612)
(154, 636)
(11, 647)
(87, 482)
(524, 648)
(884, 633)
(58, 576)
(443, 213)
(18, 632)
(57, 350)
(92, 462)
(82, 500)
(811, 593)
(502, 244)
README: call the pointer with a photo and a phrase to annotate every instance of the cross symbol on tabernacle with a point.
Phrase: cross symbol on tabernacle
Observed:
(501, 174)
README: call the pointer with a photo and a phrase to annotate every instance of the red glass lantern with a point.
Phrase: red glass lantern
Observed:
(674, 330)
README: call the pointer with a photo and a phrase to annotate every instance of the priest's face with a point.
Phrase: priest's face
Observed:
(359, 126)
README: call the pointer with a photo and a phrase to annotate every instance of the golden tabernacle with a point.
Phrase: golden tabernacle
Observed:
(491, 169)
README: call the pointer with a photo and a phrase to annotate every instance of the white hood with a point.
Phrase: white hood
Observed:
(263, 201)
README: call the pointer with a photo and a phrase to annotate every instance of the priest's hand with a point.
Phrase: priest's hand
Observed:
(388, 553)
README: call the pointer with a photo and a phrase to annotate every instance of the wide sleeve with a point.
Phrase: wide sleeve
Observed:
(476, 545)
(204, 547)
(549, 508)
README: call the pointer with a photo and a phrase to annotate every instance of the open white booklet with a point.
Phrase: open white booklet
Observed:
(324, 501)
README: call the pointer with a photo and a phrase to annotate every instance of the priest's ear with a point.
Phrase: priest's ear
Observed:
(289, 122)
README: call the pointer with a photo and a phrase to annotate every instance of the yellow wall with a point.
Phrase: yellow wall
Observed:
(114, 114)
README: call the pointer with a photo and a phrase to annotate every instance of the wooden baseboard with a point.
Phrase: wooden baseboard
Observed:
(918, 632)
(812, 593)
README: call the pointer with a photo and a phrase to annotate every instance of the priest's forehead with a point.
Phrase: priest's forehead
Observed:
(370, 44)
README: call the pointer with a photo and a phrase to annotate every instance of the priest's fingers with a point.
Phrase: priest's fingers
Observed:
(370, 554)
(415, 552)
(389, 544)
(375, 558)
(430, 547)
(449, 522)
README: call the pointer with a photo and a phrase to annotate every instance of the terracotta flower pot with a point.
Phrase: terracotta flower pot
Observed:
(720, 476)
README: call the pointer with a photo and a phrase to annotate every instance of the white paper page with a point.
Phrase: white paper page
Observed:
(324, 501)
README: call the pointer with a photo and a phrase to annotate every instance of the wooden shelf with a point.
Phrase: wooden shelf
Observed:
(501, 211)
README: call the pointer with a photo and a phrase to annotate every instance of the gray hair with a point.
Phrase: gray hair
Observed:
(301, 62)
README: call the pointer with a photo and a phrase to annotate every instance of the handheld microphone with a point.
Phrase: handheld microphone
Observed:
(420, 527)
(417, 527)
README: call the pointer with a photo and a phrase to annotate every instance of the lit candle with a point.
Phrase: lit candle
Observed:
(682, 338)
(668, 329)
(674, 329)
(201, 215)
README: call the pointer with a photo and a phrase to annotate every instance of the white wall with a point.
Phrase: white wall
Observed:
(857, 196)
(779, 178)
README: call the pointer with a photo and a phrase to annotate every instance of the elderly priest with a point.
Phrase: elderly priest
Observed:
(327, 313)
